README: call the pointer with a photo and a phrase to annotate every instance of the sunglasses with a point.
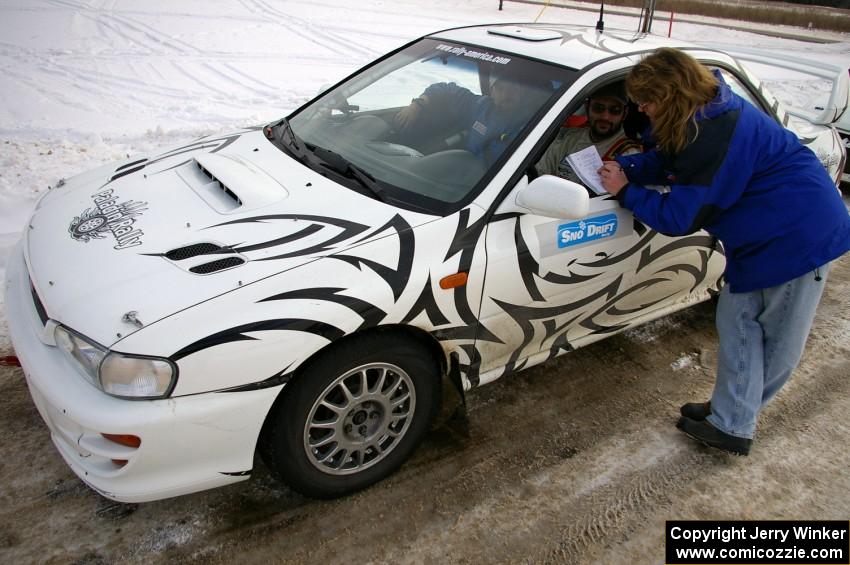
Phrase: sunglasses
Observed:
(599, 107)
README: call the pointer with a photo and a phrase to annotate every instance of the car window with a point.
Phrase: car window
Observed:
(398, 88)
(599, 123)
(738, 88)
(431, 123)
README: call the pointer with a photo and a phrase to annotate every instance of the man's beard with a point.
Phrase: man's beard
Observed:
(599, 136)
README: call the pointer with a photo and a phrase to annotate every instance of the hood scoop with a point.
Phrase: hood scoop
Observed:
(205, 258)
(229, 183)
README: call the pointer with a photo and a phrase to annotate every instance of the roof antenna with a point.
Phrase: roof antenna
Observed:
(600, 25)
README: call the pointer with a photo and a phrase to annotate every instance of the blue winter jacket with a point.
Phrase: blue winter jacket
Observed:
(750, 182)
(489, 131)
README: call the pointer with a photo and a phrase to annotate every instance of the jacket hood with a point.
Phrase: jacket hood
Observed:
(724, 101)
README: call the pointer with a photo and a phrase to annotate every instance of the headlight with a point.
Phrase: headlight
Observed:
(136, 377)
(116, 373)
(85, 355)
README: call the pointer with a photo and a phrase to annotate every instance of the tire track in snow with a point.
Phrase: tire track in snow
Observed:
(140, 33)
(306, 30)
(387, 9)
(256, 7)
(610, 510)
(113, 87)
(89, 81)
(226, 73)
(128, 93)
(197, 79)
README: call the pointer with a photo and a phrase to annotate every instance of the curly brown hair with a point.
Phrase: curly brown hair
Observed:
(679, 86)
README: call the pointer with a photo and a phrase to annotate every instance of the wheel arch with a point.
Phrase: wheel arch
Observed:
(412, 334)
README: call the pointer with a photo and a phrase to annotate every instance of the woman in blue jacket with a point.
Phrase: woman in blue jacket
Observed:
(738, 174)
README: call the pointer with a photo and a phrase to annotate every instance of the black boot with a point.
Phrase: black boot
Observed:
(696, 410)
(705, 433)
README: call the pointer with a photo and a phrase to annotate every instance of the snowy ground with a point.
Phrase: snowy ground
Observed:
(87, 82)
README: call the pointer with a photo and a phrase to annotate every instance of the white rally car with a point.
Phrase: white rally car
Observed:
(307, 288)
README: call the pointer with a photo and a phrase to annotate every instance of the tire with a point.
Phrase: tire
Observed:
(329, 435)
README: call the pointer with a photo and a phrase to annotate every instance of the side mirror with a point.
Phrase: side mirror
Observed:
(548, 196)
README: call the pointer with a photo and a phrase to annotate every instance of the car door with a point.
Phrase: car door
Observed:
(550, 283)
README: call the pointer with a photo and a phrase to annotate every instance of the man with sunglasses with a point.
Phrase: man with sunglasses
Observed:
(606, 109)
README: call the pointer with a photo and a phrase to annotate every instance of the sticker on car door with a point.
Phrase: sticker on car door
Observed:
(557, 237)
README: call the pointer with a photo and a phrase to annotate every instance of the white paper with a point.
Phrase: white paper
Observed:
(586, 163)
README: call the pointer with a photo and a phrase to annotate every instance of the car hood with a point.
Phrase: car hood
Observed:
(129, 244)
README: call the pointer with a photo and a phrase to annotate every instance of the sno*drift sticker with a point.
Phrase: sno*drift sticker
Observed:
(587, 230)
(108, 216)
(557, 238)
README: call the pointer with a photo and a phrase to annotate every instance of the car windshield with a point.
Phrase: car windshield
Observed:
(424, 127)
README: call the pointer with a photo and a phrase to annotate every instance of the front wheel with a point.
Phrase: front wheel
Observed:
(353, 416)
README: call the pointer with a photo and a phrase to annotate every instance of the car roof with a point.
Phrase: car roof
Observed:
(568, 45)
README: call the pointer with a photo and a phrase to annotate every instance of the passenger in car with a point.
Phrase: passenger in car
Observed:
(490, 122)
(745, 179)
(606, 110)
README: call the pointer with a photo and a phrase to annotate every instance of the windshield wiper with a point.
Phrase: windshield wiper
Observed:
(315, 156)
(339, 164)
(289, 141)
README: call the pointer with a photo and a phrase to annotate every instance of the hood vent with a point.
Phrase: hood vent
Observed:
(182, 253)
(220, 184)
(231, 183)
(216, 266)
(205, 258)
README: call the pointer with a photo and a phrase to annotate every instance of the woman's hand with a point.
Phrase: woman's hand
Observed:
(613, 177)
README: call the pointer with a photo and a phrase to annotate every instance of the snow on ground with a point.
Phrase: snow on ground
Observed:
(88, 82)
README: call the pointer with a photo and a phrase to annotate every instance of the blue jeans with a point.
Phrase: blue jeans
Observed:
(762, 335)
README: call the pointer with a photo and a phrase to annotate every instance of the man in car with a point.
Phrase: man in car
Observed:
(606, 109)
(490, 122)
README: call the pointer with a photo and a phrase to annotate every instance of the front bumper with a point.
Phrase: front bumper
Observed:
(189, 443)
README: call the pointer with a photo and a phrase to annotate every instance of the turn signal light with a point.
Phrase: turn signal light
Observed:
(453, 281)
(123, 439)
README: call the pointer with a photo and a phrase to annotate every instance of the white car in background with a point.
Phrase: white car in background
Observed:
(309, 288)
(822, 110)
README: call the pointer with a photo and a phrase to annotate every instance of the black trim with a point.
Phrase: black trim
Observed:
(270, 382)
(127, 172)
(308, 231)
(349, 231)
(371, 314)
(428, 304)
(39, 306)
(327, 331)
(122, 167)
(237, 473)
(398, 278)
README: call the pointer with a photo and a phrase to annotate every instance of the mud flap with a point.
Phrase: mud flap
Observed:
(453, 414)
